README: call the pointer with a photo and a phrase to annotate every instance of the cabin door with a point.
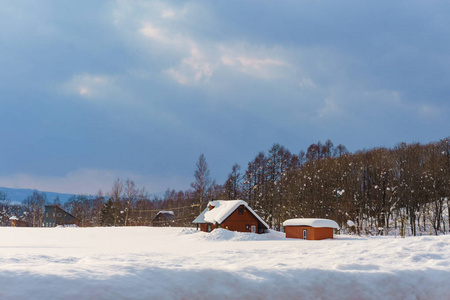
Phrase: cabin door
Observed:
(253, 228)
(304, 234)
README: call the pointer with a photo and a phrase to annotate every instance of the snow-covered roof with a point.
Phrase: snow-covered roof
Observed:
(201, 217)
(222, 210)
(311, 222)
(13, 218)
(168, 212)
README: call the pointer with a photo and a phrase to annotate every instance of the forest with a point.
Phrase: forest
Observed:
(402, 190)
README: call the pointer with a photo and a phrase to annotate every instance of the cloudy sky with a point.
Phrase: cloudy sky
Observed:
(93, 90)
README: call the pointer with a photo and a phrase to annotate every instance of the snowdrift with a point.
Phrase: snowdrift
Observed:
(177, 263)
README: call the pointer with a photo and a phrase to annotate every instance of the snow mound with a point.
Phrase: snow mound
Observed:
(221, 234)
(188, 231)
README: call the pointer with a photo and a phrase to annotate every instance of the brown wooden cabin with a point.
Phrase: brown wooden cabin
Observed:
(310, 229)
(234, 215)
(15, 222)
(164, 219)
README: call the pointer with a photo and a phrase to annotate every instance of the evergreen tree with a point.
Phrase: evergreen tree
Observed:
(107, 217)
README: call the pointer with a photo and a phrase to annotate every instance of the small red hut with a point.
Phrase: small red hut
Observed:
(234, 215)
(310, 229)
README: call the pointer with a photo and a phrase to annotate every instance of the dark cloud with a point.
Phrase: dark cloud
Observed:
(144, 88)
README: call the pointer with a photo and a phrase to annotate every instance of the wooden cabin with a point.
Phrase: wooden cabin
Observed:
(15, 222)
(55, 215)
(164, 218)
(234, 215)
(310, 229)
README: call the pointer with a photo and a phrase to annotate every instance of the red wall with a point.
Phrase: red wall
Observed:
(312, 233)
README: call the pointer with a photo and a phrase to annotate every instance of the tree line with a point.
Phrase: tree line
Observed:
(402, 190)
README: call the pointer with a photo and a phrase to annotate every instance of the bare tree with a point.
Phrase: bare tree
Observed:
(233, 183)
(131, 194)
(202, 181)
(340, 150)
(35, 205)
(116, 194)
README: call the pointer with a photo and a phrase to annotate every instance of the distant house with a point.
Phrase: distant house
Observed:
(234, 215)
(164, 218)
(55, 215)
(15, 222)
(310, 229)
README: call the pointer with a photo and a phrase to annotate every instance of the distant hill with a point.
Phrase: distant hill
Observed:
(18, 195)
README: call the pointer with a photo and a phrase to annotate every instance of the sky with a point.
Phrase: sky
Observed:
(95, 90)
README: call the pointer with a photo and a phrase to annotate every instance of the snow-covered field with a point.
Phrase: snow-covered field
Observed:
(177, 263)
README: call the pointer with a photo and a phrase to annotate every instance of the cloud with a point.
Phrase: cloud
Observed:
(265, 67)
(89, 181)
(306, 83)
(192, 58)
(193, 65)
(315, 80)
(153, 32)
(92, 86)
(429, 112)
(192, 69)
(354, 101)
(168, 14)
(330, 109)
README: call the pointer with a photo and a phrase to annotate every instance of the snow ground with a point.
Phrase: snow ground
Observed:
(177, 263)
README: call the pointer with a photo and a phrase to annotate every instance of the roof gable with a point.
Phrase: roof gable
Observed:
(56, 207)
(201, 217)
(167, 214)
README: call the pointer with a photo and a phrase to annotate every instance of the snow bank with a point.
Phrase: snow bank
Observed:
(221, 234)
(177, 263)
(66, 226)
(311, 222)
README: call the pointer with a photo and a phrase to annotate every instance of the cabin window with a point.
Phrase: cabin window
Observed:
(241, 211)
(208, 228)
(247, 227)
(218, 226)
(304, 234)
(58, 214)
